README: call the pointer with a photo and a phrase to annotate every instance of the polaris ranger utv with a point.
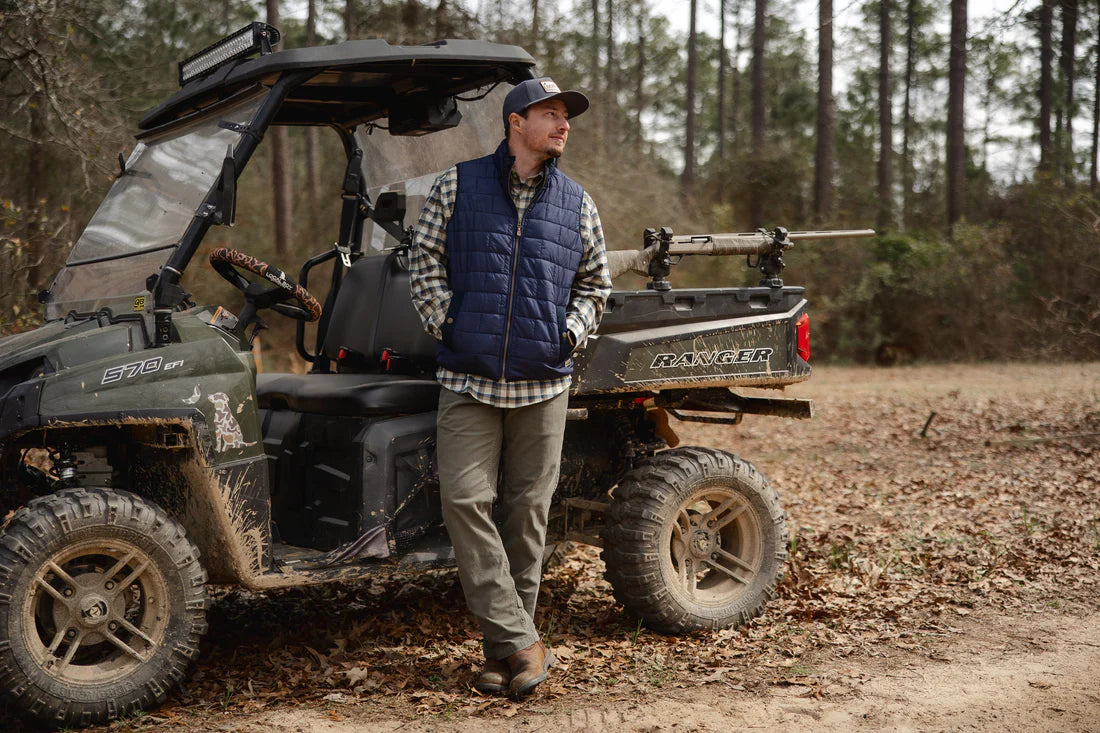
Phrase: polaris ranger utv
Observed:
(141, 456)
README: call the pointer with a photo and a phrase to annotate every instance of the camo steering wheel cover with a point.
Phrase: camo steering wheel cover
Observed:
(270, 273)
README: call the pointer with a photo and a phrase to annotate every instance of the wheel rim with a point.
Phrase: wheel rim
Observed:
(715, 546)
(96, 611)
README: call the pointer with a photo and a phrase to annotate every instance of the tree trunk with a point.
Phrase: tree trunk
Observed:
(1069, 47)
(350, 27)
(1046, 82)
(722, 65)
(688, 178)
(594, 48)
(885, 122)
(411, 20)
(600, 111)
(313, 163)
(280, 148)
(535, 28)
(758, 76)
(989, 93)
(610, 117)
(311, 23)
(1095, 111)
(639, 78)
(907, 114)
(442, 22)
(756, 201)
(735, 86)
(826, 116)
(956, 140)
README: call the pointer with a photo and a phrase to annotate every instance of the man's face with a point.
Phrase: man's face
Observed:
(544, 130)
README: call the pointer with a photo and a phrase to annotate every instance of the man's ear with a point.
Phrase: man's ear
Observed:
(515, 122)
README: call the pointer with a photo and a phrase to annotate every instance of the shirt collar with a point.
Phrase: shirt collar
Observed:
(513, 176)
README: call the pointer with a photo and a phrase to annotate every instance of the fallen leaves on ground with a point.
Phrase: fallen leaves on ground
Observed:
(896, 539)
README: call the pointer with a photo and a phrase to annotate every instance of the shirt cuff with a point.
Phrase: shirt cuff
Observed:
(573, 323)
(434, 324)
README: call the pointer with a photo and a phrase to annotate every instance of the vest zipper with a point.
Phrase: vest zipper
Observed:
(512, 281)
(511, 295)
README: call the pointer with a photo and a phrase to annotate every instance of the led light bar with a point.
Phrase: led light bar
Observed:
(245, 42)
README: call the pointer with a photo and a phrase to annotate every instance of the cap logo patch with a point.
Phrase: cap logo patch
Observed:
(550, 87)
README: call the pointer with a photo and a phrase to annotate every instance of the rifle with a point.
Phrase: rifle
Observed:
(660, 246)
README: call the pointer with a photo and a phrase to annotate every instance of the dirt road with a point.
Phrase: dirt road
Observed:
(949, 580)
(1003, 673)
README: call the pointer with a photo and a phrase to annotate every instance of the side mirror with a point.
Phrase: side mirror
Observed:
(389, 213)
(225, 194)
(389, 207)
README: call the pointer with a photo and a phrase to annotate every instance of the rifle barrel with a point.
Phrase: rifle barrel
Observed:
(746, 243)
(834, 234)
(750, 243)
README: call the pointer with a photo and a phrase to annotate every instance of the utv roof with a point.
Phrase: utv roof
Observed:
(354, 81)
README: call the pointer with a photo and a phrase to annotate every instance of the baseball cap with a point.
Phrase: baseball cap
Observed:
(532, 91)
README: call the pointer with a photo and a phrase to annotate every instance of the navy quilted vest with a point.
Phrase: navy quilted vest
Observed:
(511, 284)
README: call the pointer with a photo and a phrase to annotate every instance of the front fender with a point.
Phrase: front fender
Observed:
(19, 409)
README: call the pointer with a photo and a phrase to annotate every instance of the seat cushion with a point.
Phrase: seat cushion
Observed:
(347, 394)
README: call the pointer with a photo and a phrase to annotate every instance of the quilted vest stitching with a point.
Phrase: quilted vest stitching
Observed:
(507, 315)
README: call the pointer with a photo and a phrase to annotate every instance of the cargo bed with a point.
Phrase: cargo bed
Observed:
(694, 338)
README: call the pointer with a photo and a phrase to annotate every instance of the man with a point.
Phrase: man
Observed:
(510, 275)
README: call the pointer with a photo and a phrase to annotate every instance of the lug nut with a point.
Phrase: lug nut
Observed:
(112, 626)
(70, 633)
(109, 585)
(68, 592)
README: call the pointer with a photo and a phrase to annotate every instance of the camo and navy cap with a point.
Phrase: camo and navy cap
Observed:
(533, 91)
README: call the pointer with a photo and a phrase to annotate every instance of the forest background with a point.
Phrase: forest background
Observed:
(968, 143)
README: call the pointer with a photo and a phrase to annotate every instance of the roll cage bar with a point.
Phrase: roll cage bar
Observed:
(339, 86)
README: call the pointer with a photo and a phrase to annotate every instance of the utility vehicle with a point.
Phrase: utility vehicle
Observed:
(142, 456)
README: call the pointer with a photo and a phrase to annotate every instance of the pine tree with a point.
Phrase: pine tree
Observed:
(1069, 46)
(826, 116)
(885, 122)
(688, 177)
(756, 212)
(1046, 82)
(280, 164)
(956, 132)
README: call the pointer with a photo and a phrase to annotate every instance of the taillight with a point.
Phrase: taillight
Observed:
(803, 326)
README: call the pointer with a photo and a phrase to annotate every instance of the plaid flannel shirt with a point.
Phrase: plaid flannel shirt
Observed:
(431, 294)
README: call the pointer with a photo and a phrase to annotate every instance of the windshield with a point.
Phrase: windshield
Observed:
(146, 212)
(411, 164)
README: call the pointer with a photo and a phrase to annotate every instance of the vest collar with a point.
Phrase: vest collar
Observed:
(505, 161)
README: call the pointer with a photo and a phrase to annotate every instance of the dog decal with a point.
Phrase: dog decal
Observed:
(227, 428)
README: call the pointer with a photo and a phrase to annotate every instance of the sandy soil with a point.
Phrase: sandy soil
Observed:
(1000, 673)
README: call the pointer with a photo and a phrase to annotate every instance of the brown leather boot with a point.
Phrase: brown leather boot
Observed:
(494, 677)
(530, 667)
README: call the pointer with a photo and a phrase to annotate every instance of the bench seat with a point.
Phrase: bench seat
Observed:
(347, 394)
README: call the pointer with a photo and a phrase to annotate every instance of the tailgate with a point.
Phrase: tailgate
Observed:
(651, 341)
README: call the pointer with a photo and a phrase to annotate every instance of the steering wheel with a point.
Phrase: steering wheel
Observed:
(225, 262)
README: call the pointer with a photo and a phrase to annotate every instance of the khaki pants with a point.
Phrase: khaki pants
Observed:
(500, 570)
